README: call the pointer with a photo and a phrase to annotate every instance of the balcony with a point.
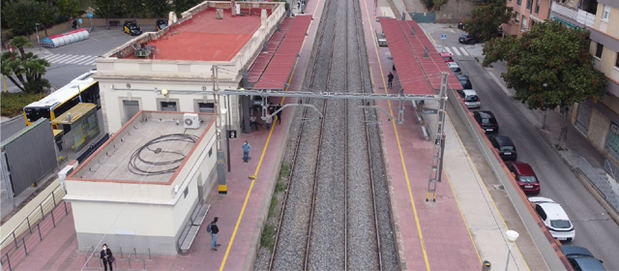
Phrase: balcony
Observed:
(583, 18)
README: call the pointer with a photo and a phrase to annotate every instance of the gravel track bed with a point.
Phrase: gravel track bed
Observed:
(383, 212)
(291, 245)
(339, 63)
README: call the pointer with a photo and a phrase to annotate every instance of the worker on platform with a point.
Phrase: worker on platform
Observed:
(246, 149)
(213, 230)
(390, 79)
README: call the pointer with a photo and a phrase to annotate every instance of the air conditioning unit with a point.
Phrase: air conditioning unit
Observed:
(191, 121)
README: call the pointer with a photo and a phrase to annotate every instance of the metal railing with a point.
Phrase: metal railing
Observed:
(132, 261)
(27, 230)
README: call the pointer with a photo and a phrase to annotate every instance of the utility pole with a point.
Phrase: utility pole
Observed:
(222, 187)
(439, 142)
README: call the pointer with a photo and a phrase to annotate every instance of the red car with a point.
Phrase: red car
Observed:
(446, 56)
(525, 176)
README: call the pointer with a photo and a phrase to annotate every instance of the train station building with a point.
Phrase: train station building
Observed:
(210, 47)
(143, 186)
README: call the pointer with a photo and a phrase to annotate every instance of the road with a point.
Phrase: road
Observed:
(68, 62)
(595, 230)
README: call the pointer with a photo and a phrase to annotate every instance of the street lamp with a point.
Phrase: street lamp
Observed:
(545, 111)
(36, 27)
(511, 237)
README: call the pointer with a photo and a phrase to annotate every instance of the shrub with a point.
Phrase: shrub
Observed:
(12, 104)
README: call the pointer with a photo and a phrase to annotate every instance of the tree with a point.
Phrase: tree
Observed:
(25, 70)
(69, 8)
(486, 19)
(549, 67)
(133, 8)
(22, 16)
(181, 6)
(158, 8)
(108, 9)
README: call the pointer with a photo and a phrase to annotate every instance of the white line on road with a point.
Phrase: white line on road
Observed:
(83, 60)
(52, 58)
(70, 59)
(456, 51)
(464, 52)
(447, 49)
(59, 59)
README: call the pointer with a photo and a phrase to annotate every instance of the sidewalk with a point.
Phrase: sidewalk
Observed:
(580, 155)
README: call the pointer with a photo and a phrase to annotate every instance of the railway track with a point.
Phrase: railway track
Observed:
(336, 213)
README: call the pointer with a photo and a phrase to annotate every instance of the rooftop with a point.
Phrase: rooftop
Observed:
(203, 37)
(151, 148)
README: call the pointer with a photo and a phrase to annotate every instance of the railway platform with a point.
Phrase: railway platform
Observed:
(463, 227)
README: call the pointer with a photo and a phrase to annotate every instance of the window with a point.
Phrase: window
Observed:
(606, 13)
(612, 140)
(204, 107)
(529, 5)
(517, 17)
(524, 23)
(540, 211)
(130, 108)
(519, 2)
(210, 152)
(168, 104)
(537, 6)
(617, 60)
(598, 50)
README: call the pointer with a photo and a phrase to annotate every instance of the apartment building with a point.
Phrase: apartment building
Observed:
(597, 120)
(527, 13)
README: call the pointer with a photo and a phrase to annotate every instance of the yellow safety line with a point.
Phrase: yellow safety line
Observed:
(397, 137)
(255, 176)
(468, 157)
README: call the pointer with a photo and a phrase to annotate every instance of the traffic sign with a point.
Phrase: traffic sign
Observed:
(90, 15)
(232, 134)
(443, 36)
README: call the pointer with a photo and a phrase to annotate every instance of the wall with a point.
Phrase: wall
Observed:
(598, 129)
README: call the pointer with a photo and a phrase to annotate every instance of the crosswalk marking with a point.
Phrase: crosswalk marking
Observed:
(69, 59)
(464, 52)
(448, 50)
(456, 51)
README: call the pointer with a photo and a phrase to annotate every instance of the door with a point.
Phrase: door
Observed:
(583, 117)
(130, 108)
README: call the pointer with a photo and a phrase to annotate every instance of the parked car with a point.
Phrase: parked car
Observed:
(505, 146)
(454, 67)
(471, 100)
(554, 217)
(582, 259)
(161, 24)
(131, 28)
(464, 80)
(486, 121)
(467, 39)
(525, 177)
(446, 56)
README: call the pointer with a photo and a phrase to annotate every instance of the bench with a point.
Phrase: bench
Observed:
(192, 228)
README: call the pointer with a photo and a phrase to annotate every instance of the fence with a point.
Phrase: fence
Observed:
(35, 226)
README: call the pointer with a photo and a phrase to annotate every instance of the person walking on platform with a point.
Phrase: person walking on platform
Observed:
(106, 257)
(268, 123)
(246, 149)
(279, 113)
(213, 230)
(390, 79)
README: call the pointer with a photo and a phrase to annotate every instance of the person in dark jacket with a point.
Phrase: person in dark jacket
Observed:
(390, 79)
(213, 230)
(107, 257)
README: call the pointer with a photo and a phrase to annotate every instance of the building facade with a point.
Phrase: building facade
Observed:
(175, 69)
(597, 120)
(526, 14)
(125, 188)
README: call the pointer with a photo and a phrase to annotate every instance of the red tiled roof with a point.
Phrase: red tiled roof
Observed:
(205, 38)
(276, 74)
(418, 74)
(263, 59)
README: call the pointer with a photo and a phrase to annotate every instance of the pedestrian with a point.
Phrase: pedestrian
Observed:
(299, 5)
(246, 149)
(279, 113)
(253, 122)
(393, 67)
(213, 230)
(268, 122)
(390, 78)
(107, 257)
(74, 24)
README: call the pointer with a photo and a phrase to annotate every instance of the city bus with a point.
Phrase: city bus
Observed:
(81, 89)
